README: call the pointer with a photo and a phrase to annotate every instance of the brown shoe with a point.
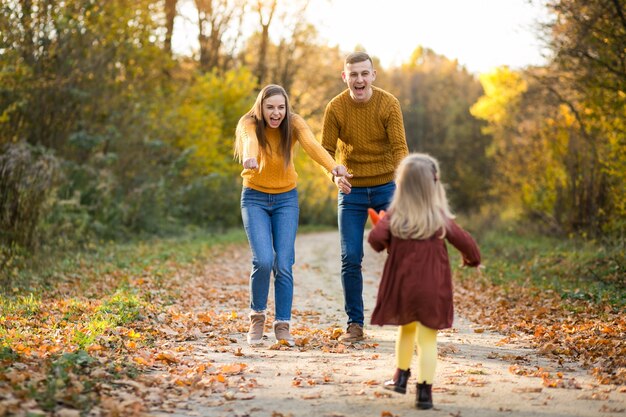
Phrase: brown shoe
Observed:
(281, 331)
(353, 334)
(255, 333)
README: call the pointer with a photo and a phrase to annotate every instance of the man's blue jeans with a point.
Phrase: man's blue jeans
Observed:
(352, 212)
(271, 223)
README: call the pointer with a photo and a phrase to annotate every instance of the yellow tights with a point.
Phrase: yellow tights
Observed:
(426, 347)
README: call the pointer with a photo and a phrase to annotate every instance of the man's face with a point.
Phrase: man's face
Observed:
(359, 77)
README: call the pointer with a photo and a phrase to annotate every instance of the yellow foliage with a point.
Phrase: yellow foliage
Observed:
(503, 89)
(204, 122)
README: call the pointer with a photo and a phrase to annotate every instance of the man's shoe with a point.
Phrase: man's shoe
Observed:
(398, 383)
(281, 331)
(354, 333)
(255, 333)
(424, 399)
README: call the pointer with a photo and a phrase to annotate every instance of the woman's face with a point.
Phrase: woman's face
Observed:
(274, 110)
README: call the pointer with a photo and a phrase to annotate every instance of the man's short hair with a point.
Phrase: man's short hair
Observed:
(355, 57)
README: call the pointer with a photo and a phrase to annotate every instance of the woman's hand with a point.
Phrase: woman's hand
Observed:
(341, 171)
(250, 163)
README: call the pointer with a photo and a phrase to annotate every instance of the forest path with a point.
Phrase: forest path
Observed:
(477, 372)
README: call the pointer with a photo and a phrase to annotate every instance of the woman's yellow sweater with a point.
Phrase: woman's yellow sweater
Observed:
(273, 177)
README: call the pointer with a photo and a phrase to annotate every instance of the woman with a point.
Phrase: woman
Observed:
(265, 139)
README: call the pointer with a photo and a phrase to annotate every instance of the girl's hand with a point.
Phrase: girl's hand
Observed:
(250, 163)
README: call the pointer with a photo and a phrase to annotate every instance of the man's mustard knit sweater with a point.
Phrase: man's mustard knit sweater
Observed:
(273, 177)
(368, 138)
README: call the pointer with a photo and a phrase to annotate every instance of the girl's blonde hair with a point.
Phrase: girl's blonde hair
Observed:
(256, 114)
(419, 207)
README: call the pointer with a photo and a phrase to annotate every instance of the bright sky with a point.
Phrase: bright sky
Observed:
(481, 34)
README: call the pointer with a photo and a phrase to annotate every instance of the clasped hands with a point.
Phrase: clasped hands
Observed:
(341, 176)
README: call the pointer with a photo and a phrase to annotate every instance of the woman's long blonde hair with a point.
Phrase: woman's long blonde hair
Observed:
(256, 113)
(419, 207)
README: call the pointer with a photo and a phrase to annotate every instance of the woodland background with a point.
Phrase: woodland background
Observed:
(106, 135)
(121, 242)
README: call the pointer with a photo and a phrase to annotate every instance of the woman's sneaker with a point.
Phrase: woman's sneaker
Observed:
(255, 333)
(281, 331)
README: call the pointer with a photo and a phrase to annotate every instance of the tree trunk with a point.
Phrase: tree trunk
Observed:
(170, 15)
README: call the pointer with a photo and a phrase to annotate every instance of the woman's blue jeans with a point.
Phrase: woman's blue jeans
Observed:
(352, 212)
(271, 223)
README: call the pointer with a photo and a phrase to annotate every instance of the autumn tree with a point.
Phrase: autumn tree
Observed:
(169, 8)
(527, 130)
(265, 10)
(558, 131)
(215, 18)
(435, 94)
(588, 77)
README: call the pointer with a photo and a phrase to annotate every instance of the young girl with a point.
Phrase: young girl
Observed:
(265, 139)
(416, 287)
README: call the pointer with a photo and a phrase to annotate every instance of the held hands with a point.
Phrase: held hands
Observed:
(250, 163)
(341, 179)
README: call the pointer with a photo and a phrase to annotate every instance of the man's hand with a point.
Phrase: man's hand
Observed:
(250, 163)
(343, 184)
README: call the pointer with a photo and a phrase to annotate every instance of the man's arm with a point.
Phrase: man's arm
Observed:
(396, 134)
(330, 131)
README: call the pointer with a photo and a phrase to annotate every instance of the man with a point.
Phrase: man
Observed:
(363, 130)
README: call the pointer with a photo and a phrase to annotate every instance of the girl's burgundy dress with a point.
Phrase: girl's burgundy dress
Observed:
(417, 281)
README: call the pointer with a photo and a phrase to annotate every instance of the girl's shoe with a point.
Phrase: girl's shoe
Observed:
(398, 383)
(255, 333)
(424, 399)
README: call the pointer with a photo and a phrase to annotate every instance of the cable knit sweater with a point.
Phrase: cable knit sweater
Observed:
(368, 138)
(273, 177)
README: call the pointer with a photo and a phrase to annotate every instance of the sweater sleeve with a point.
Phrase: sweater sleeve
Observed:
(330, 133)
(310, 145)
(464, 242)
(396, 134)
(246, 132)
(379, 237)
(330, 130)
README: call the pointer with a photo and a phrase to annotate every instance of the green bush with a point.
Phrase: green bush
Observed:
(27, 176)
(211, 201)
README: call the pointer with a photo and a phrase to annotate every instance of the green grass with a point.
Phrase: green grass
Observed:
(47, 268)
(573, 268)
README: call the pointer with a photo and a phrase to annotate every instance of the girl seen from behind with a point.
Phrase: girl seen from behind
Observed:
(415, 291)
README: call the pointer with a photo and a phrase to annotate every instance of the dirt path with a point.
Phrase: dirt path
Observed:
(475, 374)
